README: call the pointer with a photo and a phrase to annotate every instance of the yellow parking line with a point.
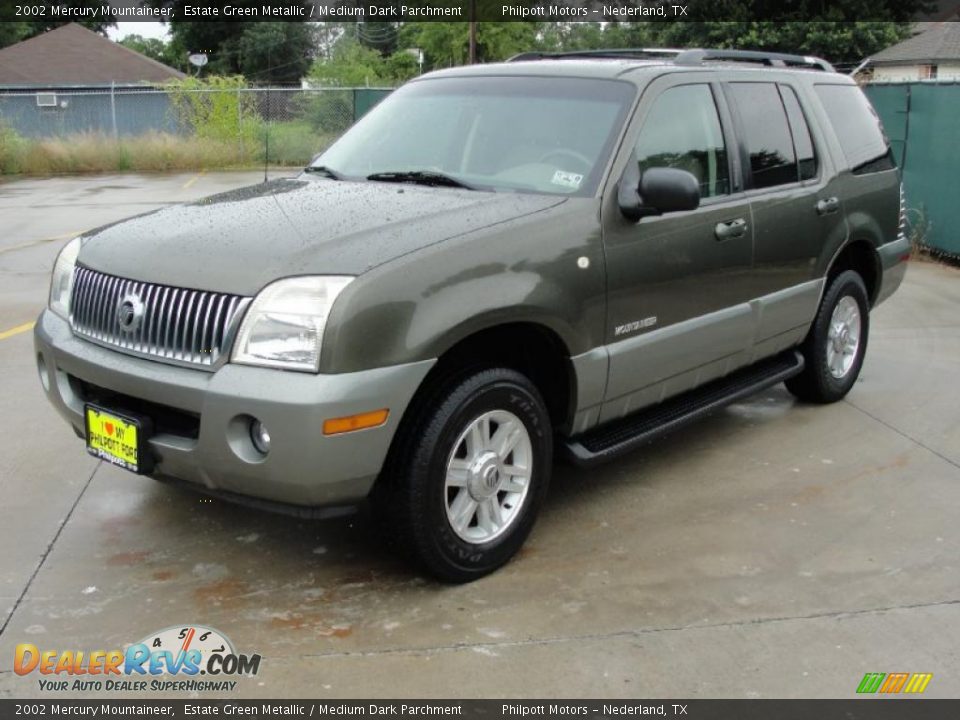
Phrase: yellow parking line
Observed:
(189, 183)
(17, 330)
(21, 246)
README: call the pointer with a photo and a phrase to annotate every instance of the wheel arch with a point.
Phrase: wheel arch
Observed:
(860, 255)
(532, 348)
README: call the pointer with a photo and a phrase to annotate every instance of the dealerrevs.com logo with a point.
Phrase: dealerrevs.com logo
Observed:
(173, 659)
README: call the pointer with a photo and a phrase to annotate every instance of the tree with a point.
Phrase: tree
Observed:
(445, 43)
(839, 42)
(354, 65)
(276, 52)
(168, 53)
(263, 51)
(379, 36)
(99, 24)
(13, 32)
(568, 36)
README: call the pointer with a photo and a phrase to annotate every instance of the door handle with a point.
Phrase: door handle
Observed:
(733, 229)
(827, 206)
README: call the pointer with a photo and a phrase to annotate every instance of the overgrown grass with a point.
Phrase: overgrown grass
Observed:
(291, 144)
(294, 143)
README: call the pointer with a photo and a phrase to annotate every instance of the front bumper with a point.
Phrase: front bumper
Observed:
(304, 468)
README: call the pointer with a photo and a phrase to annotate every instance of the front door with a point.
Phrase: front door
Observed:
(678, 284)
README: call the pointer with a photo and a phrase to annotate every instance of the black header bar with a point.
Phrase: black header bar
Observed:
(453, 10)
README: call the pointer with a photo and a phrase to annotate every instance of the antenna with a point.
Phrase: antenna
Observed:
(198, 60)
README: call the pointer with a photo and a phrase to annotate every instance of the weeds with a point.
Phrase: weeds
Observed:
(291, 144)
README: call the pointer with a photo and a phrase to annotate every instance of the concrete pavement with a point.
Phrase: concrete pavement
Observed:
(773, 550)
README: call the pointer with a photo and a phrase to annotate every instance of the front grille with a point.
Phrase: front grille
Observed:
(174, 325)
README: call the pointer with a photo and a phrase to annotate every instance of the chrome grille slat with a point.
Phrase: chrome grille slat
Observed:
(216, 337)
(92, 284)
(206, 325)
(196, 342)
(178, 326)
(190, 329)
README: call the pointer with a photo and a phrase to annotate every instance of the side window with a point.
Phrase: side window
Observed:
(766, 133)
(683, 131)
(857, 127)
(802, 140)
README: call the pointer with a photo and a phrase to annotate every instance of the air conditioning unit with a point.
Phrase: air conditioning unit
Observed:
(46, 99)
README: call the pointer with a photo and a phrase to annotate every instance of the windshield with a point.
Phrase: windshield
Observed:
(521, 134)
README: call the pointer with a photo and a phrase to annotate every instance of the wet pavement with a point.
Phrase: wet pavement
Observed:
(773, 550)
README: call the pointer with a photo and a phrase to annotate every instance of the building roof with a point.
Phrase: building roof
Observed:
(72, 55)
(937, 43)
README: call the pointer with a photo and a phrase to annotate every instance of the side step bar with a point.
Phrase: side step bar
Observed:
(621, 436)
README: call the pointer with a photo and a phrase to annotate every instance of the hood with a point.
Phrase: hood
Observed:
(239, 241)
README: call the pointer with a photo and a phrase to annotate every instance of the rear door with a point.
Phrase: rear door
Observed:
(795, 204)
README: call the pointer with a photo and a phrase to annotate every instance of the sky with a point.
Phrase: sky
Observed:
(146, 29)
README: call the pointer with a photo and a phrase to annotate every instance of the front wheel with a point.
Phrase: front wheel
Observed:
(836, 344)
(463, 488)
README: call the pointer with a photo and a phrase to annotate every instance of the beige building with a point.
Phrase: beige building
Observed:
(932, 54)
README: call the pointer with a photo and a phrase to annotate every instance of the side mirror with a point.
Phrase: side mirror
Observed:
(659, 191)
(669, 190)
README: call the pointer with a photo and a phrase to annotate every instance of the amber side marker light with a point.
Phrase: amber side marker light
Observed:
(336, 426)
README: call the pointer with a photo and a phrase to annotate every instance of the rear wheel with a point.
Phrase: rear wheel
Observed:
(462, 489)
(836, 344)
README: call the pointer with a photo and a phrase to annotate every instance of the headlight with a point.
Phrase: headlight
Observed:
(284, 326)
(61, 282)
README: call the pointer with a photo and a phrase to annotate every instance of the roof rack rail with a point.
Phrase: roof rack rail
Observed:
(773, 59)
(606, 53)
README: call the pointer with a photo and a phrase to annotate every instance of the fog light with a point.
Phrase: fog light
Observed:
(44, 375)
(260, 436)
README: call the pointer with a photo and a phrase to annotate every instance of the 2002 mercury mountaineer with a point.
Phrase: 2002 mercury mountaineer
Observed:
(584, 249)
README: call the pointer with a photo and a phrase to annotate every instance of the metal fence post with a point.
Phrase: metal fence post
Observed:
(113, 108)
(240, 126)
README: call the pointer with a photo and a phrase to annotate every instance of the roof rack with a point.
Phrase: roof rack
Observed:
(602, 54)
(773, 59)
(684, 57)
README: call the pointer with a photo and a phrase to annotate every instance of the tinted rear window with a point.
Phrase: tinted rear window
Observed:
(802, 141)
(766, 133)
(857, 127)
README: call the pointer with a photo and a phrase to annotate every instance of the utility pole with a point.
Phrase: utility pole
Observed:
(473, 32)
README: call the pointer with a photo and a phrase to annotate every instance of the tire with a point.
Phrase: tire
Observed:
(440, 465)
(836, 344)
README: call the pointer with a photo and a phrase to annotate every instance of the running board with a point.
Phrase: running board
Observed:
(620, 436)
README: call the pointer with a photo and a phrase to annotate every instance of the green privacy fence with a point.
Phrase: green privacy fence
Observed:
(922, 120)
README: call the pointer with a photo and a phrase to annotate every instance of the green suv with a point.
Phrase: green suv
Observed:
(565, 254)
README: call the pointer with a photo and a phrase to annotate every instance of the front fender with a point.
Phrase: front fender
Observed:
(546, 269)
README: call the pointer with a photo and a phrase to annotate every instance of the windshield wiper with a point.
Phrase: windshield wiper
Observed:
(323, 170)
(420, 177)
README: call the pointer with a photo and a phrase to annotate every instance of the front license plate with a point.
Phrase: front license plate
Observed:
(119, 439)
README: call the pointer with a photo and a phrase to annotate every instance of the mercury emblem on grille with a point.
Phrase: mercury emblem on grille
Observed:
(130, 313)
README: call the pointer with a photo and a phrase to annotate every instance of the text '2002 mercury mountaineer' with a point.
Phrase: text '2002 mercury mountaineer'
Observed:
(583, 250)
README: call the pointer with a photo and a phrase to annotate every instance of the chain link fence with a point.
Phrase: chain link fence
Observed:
(227, 127)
